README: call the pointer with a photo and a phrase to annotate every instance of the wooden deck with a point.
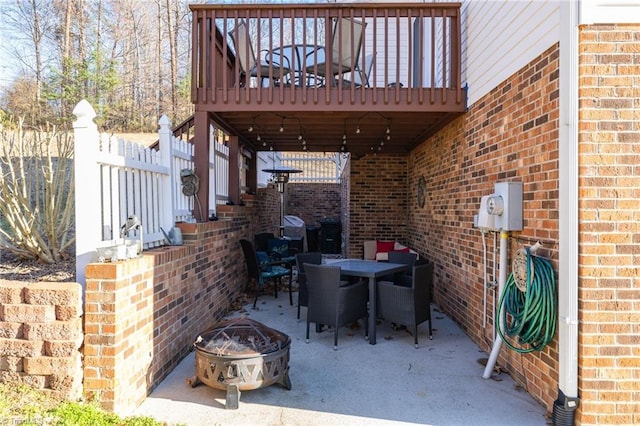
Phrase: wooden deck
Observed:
(398, 81)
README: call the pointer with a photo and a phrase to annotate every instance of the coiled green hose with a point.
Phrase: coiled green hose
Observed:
(532, 312)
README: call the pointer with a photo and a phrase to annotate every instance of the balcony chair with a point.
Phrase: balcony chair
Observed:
(252, 66)
(314, 258)
(260, 268)
(341, 42)
(361, 78)
(409, 306)
(334, 302)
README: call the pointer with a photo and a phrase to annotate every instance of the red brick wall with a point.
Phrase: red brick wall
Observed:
(41, 335)
(609, 155)
(143, 315)
(509, 135)
(313, 201)
(378, 200)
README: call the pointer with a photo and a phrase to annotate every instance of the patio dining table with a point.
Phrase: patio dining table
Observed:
(372, 270)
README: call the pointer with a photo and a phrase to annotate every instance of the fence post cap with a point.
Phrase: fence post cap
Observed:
(164, 122)
(84, 112)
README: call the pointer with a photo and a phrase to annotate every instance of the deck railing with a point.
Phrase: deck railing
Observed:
(307, 51)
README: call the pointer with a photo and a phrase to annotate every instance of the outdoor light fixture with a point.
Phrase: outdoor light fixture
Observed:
(281, 177)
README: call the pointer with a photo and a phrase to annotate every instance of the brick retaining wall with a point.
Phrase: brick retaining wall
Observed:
(41, 335)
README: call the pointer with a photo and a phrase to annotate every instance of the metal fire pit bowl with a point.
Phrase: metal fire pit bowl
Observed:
(241, 354)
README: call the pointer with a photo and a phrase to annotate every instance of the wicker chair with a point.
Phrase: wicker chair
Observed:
(406, 259)
(409, 306)
(332, 304)
(314, 258)
(260, 269)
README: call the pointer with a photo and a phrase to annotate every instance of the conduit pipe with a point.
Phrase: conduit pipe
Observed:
(502, 280)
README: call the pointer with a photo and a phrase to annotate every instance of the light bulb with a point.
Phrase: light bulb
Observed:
(358, 129)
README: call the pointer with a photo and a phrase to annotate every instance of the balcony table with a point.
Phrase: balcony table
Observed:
(299, 57)
(372, 270)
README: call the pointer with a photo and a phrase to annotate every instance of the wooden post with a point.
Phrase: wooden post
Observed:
(201, 163)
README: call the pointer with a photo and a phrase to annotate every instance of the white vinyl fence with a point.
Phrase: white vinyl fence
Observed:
(117, 179)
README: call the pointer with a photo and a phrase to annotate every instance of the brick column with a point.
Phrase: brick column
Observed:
(118, 332)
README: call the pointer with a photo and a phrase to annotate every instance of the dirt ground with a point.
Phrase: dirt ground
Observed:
(13, 268)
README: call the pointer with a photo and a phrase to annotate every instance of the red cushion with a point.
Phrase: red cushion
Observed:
(384, 246)
(404, 250)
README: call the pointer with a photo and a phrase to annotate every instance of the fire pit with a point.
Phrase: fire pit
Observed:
(241, 354)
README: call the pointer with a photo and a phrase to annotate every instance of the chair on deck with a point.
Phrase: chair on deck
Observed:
(409, 306)
(314, 258)
(252, 66)
(260, 268)
(345, 51)
(362, 78)
(333, 303)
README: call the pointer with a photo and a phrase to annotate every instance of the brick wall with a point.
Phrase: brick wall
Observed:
(378, 207)
(509, 135)
(313, 201)
(41, 335)
(609, 146)
(143, 315)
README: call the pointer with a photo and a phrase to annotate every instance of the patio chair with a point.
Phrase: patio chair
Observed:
(343, 59)
(361, 78)
(333, 303)
(406, 258)
(252, 66)
(260, 268)
(314, 258)
(261, 240)
(409, 306)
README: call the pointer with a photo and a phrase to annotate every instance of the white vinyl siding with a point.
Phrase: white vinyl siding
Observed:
(610, 12)
(500, 37)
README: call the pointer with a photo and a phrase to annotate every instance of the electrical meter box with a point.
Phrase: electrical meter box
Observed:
(506, 205)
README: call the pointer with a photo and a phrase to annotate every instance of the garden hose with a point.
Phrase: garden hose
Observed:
(532, 311)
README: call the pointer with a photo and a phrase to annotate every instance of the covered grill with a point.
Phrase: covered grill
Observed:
(241, 354)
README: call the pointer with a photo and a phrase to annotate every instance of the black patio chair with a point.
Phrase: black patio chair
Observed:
(333, 303)
(260, 268)
(314, 258)
(406, 258)
(261, 240)
(409, 306)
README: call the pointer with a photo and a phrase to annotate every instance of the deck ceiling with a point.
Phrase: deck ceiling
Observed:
(325, 131)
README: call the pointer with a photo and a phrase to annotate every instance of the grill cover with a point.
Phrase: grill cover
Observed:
(240, 337)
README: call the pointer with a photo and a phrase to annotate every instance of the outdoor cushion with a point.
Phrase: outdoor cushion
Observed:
(384, 246)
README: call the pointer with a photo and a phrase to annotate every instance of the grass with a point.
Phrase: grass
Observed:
(21, 404)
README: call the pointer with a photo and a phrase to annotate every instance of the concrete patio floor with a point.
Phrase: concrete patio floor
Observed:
(389, 383)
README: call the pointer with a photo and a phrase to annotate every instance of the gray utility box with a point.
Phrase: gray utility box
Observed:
(509, 195)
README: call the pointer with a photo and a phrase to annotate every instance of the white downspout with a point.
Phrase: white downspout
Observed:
(568, 209)
(502, 281)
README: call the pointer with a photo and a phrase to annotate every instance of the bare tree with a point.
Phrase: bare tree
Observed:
(36, 193)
